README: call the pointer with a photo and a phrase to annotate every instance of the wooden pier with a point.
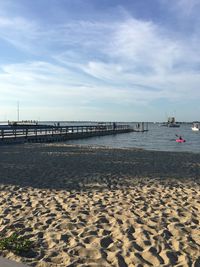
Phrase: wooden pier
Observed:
(48, 133)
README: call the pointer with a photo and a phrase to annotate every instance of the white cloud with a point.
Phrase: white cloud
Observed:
(133, 47)
(20, 32)
(124, 63)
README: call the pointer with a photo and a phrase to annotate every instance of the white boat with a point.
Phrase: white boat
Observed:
(195, 127)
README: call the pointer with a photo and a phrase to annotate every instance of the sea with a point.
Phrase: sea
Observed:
(157, 137)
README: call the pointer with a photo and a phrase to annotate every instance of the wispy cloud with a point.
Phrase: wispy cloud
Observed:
(20, 33)
(86, 63)
(185, 7)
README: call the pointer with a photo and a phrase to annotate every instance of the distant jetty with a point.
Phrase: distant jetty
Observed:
(23, 123)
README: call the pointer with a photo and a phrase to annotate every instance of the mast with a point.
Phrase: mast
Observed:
(18, 110)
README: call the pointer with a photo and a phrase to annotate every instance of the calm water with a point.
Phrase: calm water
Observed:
(157, 138)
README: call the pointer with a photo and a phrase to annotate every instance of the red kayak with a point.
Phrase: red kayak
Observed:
(180, 140)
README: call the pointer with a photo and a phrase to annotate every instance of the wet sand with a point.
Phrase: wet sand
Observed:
(96, 206)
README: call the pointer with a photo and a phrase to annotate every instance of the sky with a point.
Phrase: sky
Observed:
(100, 60)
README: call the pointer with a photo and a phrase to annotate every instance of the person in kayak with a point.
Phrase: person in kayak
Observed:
(179, 137)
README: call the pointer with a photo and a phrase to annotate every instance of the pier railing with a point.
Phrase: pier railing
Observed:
(47, 132)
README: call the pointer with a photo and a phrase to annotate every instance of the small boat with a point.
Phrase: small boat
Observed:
(180, 140)
(195, 127)
(171, 123)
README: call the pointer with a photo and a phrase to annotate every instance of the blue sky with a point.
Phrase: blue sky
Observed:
(105, 60)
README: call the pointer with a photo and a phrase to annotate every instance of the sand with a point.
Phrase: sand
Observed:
(96, 206)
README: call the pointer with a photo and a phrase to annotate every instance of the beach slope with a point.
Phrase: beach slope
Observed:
(97, 206)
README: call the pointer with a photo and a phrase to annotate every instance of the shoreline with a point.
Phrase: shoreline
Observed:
(95, 206)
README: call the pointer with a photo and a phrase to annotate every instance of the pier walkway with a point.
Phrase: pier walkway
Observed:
(49, 133)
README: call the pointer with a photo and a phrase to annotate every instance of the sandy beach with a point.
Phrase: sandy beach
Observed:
(97, 206)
